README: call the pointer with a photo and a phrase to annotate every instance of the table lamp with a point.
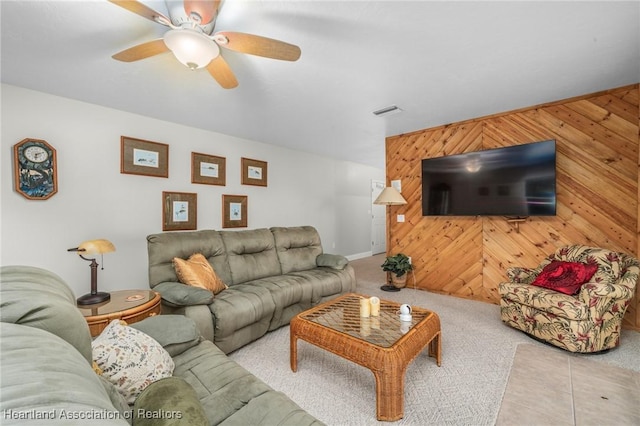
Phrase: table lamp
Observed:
(92, 247)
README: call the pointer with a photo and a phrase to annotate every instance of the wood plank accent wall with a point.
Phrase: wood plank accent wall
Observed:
(598, 187)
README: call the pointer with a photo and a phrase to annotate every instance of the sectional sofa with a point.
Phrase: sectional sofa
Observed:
(47, 375)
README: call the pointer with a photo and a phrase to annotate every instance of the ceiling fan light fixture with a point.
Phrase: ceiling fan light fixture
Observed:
(192, 48)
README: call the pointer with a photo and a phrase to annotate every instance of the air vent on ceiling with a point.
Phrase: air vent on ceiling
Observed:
(392, 109)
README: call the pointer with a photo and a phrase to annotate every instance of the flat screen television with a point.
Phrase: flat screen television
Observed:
(518, 180)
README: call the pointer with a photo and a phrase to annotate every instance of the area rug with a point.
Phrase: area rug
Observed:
(477, 355)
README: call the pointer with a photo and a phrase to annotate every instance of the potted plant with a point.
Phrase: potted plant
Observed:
(397, 267)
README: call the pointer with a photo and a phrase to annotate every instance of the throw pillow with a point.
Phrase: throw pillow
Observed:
(173, 397)
(565, 277)
(130, 359)
(197, 272)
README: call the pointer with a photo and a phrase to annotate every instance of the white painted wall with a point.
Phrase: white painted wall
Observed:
(95, 200)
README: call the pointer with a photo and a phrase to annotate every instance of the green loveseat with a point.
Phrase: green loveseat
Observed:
(47, 376)
(272, 275)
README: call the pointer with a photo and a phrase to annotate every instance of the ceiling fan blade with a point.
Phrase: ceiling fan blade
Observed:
(142, 51)
(221, 72)
(258, 45)
(142, 10)
(207, 10)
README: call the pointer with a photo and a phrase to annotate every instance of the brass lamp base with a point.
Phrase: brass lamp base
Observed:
(93, 298)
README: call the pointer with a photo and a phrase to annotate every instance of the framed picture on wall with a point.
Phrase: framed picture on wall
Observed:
(140, 157)
(254, 172)
(234, 211)
(179, 211)
(208, 169)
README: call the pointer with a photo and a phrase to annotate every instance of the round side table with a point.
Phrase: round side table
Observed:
(128, 305)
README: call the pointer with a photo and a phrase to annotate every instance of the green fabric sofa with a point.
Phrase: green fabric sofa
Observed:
(272, 275)
(47, 375)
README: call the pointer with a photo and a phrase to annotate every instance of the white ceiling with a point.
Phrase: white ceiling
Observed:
(441, 62)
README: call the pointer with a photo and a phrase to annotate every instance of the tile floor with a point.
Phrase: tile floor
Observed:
(548, 387)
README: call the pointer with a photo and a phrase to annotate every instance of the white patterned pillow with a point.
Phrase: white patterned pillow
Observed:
(130, 359)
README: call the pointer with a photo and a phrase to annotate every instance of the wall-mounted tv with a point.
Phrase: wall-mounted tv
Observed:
(517, 180)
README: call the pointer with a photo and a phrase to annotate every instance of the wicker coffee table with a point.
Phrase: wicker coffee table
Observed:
(382, 344)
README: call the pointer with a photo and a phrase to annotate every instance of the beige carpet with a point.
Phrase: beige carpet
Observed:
(477, 355)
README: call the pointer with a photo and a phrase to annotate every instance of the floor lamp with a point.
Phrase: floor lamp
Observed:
(390, 197)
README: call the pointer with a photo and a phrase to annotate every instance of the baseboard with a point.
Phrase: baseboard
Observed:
(359, 255)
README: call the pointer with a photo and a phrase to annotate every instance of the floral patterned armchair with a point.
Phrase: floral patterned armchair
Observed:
(588, 321)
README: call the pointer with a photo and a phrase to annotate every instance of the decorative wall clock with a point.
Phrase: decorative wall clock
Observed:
(35, 169)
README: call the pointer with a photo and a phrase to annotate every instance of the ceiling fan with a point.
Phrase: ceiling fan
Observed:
(192, 41)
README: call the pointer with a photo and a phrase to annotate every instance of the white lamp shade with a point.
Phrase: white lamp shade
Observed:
(390, 197)
(192, 48)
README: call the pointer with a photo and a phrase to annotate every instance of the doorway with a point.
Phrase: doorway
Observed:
(378, 220)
